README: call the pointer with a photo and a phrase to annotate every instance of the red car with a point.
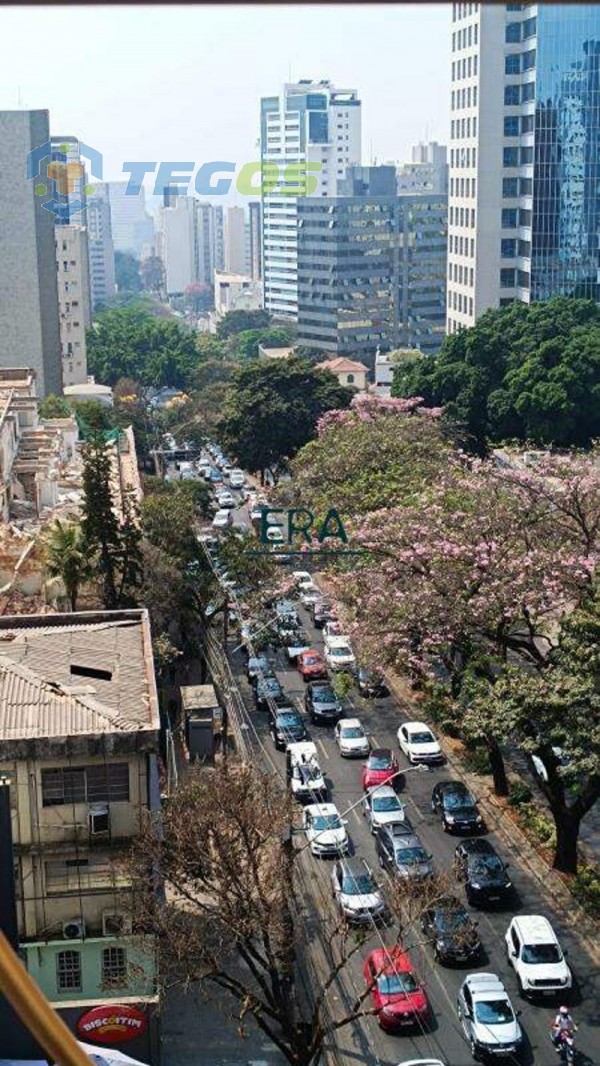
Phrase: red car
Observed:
(397, 995)
(312, 665)
(381, 765)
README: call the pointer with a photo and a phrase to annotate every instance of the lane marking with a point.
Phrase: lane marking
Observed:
(323, 748)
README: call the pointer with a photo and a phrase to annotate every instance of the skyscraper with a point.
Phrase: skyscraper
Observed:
(132, 226)
(101, 249)
(310, 122)
(372, 267)
(190, 242)
(254, 265)
(427, 170)
(29, 322)
(73, 300)
(524, 203)
(234, 236)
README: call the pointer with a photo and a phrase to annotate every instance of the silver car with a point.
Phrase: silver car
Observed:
(381, 806)
(356, 892)
(403, 855)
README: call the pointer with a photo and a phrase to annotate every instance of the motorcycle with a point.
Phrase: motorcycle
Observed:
(564, 1042)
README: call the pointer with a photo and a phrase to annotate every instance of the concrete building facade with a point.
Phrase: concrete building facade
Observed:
(254, 242)
(132, 226)
(29, 318)
(427, 171)
(313, 123)
(101, 249)
(524, 201)
(234, 238)
(72, 264)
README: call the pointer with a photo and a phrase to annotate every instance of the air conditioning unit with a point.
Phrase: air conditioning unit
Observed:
(99, 819)
(74, 929)
(116, 923)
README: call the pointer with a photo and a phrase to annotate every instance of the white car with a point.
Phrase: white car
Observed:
(381, 806)
(309, 596)
(225, 499)
(306, 781)
(487, 1017)
(237, 479)
(339, 654)
(351, 738)
(536, 957)
(418, 743)
(325, 830)
(274, 535)
(302, 579)
(222, 519)
(355, 891)
(188, 475)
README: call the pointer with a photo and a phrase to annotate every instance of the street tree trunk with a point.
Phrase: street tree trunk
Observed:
(567, 832)
(497, 766)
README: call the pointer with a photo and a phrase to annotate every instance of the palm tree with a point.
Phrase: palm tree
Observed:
(65, 557)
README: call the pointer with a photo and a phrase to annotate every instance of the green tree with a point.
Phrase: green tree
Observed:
(199, 297)
(236, 321)
(132, 343)
(127, 272)
(112, 545)
(168, 523)
(65, 557)
(244, 345)
(54, 407)
(210, 348)
(272, 408)
(530, 372)
(152, 273)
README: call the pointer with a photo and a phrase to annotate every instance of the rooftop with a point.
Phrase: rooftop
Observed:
(63, 676)
(343, 365)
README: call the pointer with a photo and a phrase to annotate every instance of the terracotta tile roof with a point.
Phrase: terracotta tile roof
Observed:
(343, 365)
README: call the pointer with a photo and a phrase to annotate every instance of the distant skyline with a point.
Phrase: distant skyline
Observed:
(184, 83)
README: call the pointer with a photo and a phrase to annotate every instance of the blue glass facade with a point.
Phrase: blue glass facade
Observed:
(566, 201)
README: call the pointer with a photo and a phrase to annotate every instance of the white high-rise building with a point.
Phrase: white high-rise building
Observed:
(310, 122)
(234, 240)
(190, 242)
(73, 300)
(427, 171)
(524, 195)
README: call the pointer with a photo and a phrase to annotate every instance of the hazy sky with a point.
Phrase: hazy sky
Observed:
(184, 83)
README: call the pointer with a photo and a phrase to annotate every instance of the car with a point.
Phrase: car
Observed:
(355, 891)
(339, 655)
(296, 642)
(451, 930)
(286, 727)
(398, 998)
(302, 579)
(306, 778)
(419, 744)
(483, 873)
(381, 806)
(322, 612)
(308, 596)
(486, 1014)
(222, 519)
(380, 768)
(311, 665)
(325, 830)
(321, 703)
(237, 478)
(258, 665)
(332, 628)
(351, 738)
(370, 683)
(274, 535)
(457, 807)
(285, 611)
(267, 690)
(225, 500)
(402, 852)
(537, 958)
(188, 475)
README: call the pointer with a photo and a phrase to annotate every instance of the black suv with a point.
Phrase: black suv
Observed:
(484, 874)
(451, 930)
(267, 688)
(370, 683)
(457, 807)
(321, 703)
(286, 727)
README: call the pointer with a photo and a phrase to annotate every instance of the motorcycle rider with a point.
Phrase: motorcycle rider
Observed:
(562, 1024)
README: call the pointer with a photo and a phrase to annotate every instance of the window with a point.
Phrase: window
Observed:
(525, 249)
(114, 967)
(527, 123)
(68, 971)
(528, 91)
(529, 28)
(529, 60)
(526, 155)
(523, 279)
(508, 248)
(77, 875)
(510, 157)
(524, 217)
(349, 379)
(511, 126)
(512, 64)
(475, 65)
(102, 783)
(509, 187)
(507, 278)
(513, 33)
(475, 33)
(525, 187)
(511, 95)
(509, 218)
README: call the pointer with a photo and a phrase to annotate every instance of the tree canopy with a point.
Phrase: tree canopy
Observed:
(127, 272)
(131, 343)
(272, 408)
(526, 372)
(237, 321)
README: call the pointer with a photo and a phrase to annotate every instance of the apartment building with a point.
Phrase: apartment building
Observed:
(74, 302)
(79, 730)
(101, 249)
(524, 198)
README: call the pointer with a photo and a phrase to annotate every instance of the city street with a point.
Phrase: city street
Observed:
(444, 1039)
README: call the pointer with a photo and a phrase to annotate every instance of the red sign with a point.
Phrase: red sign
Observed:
(112, 1024)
